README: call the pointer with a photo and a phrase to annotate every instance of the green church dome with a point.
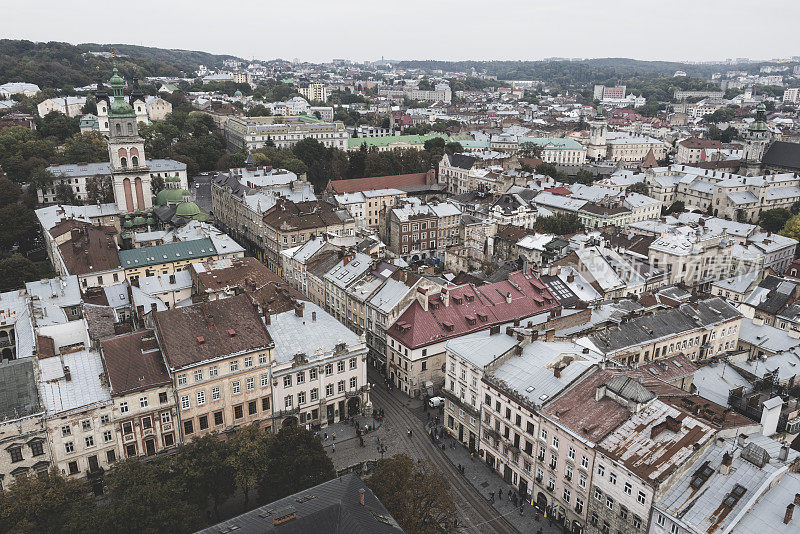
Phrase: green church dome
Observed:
(187, 209)
(127, 224)
(170, 196)
(237, 94)
(139, 221)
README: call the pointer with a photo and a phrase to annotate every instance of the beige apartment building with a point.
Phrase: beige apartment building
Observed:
(22, 423)
(141, 390)
(289, 224)
(219, 355)
(250, 133)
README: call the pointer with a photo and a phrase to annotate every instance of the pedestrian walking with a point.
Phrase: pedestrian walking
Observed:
(500, 493)
(333, 447)
(491, 495)
(521, 510)
(334, 436)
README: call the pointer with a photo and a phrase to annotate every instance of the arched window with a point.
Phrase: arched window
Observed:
(123, 162)
(134, 161)
(119, 129)
(122, 153)
(130, 128)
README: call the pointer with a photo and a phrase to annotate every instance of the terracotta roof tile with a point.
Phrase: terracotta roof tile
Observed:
(200, 332)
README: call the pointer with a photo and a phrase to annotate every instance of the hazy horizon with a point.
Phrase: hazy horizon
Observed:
(710, 31)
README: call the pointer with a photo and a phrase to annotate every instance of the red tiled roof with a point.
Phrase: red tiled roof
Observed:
(560, 190)
(133, 362)
(578, 410)
(471, 309)
(354, 185)
(201, 332)
(696, 142)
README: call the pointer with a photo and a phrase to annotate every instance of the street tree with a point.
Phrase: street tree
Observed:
(416, 495)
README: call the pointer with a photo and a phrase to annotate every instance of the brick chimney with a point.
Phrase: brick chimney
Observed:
(361, 498)
(298, 308)
(445, 297)
(550, 334)
(788, 515)
(313, 316)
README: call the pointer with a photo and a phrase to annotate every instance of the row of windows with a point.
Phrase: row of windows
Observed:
(37, 449)
(213, 371)
(218, 419)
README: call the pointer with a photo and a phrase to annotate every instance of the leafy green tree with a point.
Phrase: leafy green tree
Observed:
(259, 110)
(582, 177)
(9, 192)
(90, 107)
(248, 458)
(89, 147)
(101, 189)
(795, 209)
(58, 126)
(145, 497)
(559, 224)
(453, 147)
(317, 159)
(296, 461)
(19, 228)
(157, 184)
(676, 207)
(639, 187)
(416, 495)
(65, 194)
(22, 151)
(528, 149)
(792, 228)
(47, 503)
(205, 472)
(773, 220)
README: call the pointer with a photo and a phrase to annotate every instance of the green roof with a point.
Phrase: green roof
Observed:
(556, 142)
(178, 251)
(386, 141)
(187, 209)
(170, 196)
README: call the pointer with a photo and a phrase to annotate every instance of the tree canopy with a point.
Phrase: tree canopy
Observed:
(416, 495)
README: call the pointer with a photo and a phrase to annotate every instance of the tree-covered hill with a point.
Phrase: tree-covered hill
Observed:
(63, 65)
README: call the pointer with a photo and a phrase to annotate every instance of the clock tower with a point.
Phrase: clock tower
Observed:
(129, 171)
(598, 127)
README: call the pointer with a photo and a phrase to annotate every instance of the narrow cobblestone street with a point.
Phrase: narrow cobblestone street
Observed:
(471, 490)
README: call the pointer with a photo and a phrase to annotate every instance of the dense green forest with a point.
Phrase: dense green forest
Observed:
(62, 65)
(564, 72)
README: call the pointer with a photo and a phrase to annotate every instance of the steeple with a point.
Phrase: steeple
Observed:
(119, 108)
(136, 92)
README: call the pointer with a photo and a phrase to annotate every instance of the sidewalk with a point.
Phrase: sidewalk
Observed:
(485, 481)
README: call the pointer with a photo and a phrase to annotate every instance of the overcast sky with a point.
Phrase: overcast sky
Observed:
(319, 30)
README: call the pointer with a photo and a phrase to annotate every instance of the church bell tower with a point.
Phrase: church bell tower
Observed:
(129, 170)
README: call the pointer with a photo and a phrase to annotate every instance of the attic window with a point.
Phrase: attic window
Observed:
(469, 298)
(470, 319)
(483, 317)
(458, 300)
(231, 332)
(200, 340)
(448, 326)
